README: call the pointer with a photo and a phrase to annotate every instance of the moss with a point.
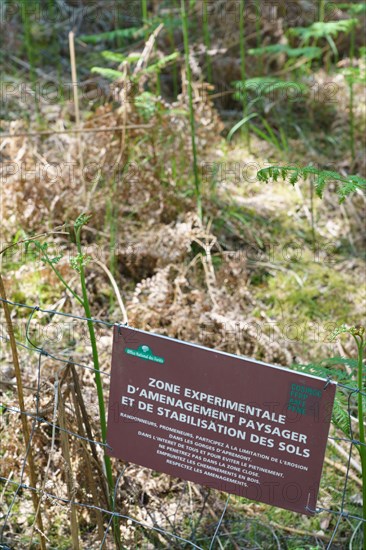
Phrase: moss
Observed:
(324, 294)
(35, 285)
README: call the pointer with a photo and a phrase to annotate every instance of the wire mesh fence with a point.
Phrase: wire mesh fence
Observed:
(62, 423)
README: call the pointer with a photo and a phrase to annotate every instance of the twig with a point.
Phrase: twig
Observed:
(56, 232)
(76, 131)
(345, 455)
(46, 77)
(10, 384)
(147, 50)
(18, 375)
(6, 486)
(299, 531)
(343, 469)
(115, 288)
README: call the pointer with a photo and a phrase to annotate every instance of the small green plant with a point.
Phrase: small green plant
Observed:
(197, 181)
(318, 180)
(269, 135)
(294, 56)
(264, 85)
(341, 412)
(78, 263)
(146, 105)
(207, 41)
(113, 74)
(358, 335)
(130, 34)
(328, 31)
(261, 88)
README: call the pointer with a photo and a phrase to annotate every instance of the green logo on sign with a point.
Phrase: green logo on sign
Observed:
(144, 352)
(301, 396)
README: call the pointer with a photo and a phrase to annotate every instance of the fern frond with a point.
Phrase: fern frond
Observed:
(263, 85)
(323, 370)
(127, 34)
(109, 74)
(349, 361)
(163, 62)
(348, 184)
(273, 49)
(120, 58)
(340, 416)
(355, 9)
(323, 29)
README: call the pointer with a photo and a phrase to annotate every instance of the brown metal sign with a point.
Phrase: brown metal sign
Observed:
(227, 422)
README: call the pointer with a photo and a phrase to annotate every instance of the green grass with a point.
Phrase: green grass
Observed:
(316, 299)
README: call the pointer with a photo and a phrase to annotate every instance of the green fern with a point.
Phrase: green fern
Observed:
(328, 30)
(120, 58)
(355, 9)
(340, 416)
(170, 23)
(109, 74)
(162, 63)
(308, 51)
(322, 29)
(350, 397)
(146, 105)
(293, 174)
(113, 74)
(265, 85)
(354, 75)
(348, 361)
(132, 33)
(325, 369)
(155, 67)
